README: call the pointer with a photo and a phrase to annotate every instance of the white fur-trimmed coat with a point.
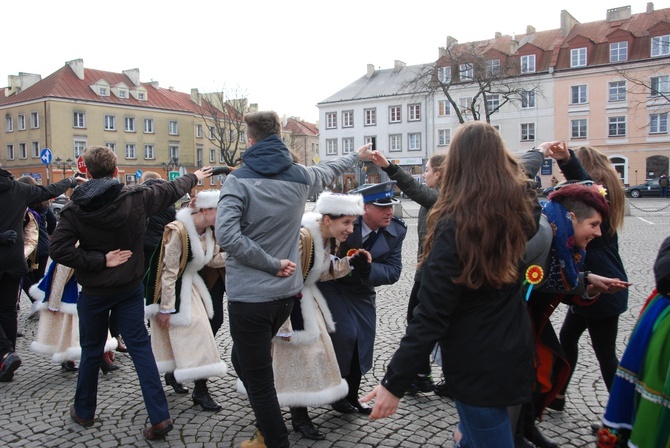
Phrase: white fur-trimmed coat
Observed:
(187, 347)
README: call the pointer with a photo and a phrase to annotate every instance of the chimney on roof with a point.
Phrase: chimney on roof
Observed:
(498, 34)
(371, 70)
(530, 29)
(134, 75)
(567, 22)
(20, 82)
(77, 66)
(616, 14)
(398, 65)
(650, 7)
(171, 88)
(153, 84)
(451, 42)
(195, 96)
(253, 107)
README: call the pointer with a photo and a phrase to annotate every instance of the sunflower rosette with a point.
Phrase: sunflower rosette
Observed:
(352, 252)
(534, 275)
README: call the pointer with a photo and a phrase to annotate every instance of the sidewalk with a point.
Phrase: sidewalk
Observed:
(34, 407)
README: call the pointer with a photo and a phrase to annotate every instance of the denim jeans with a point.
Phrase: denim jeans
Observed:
(127, 315)
(252, 327)
(484, 427)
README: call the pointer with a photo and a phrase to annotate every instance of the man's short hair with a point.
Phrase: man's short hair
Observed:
(262, 124)
(100, 161)
(150, 175)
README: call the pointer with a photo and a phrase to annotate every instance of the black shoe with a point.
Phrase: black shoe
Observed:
(9, 366)
(557, 404)
(69, 366)
(344, 407)
(179, 388)
(201, 397)
(363, 408)
(308, 430)
(441, 390)
(424, 383)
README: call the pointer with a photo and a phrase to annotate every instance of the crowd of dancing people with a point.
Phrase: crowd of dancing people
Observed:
(493, 263)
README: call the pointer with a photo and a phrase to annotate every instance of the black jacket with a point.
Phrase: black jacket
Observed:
(156, 223)
(105, 216)
(14, 198)
(485, 335)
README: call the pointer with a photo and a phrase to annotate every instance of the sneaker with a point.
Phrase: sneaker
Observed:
(441, 390)
(10, 363)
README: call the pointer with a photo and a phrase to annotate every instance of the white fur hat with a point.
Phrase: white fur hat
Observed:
(207, 199)
(339, 204)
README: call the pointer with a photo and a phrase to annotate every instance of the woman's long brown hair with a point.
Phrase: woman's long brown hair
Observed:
(601, 170)
(483, 189)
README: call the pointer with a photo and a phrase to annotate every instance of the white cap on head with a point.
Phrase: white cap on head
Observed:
(339, 204)
(207, 199)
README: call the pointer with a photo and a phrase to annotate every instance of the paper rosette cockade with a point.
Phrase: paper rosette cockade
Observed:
(351, 252)
(534, 275)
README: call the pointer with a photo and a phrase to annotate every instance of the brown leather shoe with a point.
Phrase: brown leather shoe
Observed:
(159, 430)
(85, 422)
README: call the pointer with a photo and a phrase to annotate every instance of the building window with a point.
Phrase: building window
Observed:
(79, 146)
(659, 85)
(578, 128)
(331, 120)
(34, 120)
(212, 155)
(347, 145)
(129, 123)
(492, 102)
(102, 91)
(198, 131)
(110, 122)
(618, 51)
(578, 95)
(443, 108)
(348, 119)
(527, 132)
(23, 151)
(444, 74)
(149, 153)
(443, 137)
(578, 57)
(221, 157)
(36, 150)
(10, 152)
(617, 126)
(173, 152)
(395, 114)
(465, 104)
(331, 147)
(111, 145)
(527, 99)
(131, 152)
(79, 119)
(658, 123)
(528, 63)
(660, 45)
(492, 68)
(414, 142)
(395, 142)
(370, 117)
(617, 91)
(9, 124)
(123, 93)
(240, 136)
(173, 128)
(21, 121)
(231, 135)
(466, 72)
(148, 126)
(140, 96)
(212, 134)
(414, 112)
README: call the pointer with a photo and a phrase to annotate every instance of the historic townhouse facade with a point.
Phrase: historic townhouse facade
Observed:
(603, 84)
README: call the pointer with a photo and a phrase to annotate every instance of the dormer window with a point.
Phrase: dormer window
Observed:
(123, 93)
(528, 63)
(140, 96)
(618, 51)
(444, 74)
(578, 57)
(103, 91)
(660, 45)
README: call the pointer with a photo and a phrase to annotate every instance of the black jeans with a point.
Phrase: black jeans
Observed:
(603, 332)
(252, 327)
(10, 286)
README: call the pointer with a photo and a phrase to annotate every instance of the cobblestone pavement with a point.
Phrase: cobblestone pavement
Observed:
(34, 407)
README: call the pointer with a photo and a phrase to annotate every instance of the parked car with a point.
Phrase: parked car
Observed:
(58, 203)
(649, 188)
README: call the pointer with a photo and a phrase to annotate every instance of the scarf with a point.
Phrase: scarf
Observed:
(566, 258)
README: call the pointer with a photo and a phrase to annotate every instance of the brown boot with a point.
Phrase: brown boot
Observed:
(256, 441)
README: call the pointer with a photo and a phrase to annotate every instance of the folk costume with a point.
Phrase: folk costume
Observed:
(187, 347)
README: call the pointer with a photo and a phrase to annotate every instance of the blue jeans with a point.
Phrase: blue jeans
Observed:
(252, 327)
(127, 315)
(484, 427)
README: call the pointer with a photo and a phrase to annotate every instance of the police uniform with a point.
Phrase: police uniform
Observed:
(352, 299)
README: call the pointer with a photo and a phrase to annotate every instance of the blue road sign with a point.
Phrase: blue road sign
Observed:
(138, 173)
(46, 156)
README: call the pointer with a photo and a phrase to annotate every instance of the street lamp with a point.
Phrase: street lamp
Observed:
(170, 165)
(63, 164)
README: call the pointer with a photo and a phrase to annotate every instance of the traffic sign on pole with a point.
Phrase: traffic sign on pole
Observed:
(46, 156)
(81, 166)
(138, 174)
(172, 175)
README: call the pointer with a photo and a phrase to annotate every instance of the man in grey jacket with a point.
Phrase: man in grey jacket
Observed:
(257, 224)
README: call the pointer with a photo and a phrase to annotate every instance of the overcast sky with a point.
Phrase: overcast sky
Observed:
(285, 55)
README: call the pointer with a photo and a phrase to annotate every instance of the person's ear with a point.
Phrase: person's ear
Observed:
(573, 217)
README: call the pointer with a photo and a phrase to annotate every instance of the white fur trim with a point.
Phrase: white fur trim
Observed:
(339, 204)
(207, 199)
(43, 349)
(310, 399)
(36, 293)
(70, 354)
(166, 366)
(201, 372)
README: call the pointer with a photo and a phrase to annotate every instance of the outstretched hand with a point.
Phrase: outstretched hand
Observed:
(203, 173)
(379, 159)
(117, 257)
(605, 285)
(386, 404)
(365, 151)
(556, 150)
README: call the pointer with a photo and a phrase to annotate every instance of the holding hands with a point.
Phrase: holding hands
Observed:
(365, 151)
(605, 285)
(117, 257)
